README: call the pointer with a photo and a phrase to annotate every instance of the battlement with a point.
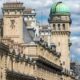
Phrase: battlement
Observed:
(29, 11)
(13, 6)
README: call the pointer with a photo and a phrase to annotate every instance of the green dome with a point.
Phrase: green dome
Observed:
(59, 8)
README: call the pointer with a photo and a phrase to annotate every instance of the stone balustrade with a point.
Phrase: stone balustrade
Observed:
(48, 52)
(68, 73)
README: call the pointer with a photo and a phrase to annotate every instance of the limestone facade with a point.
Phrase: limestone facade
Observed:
(25, 54)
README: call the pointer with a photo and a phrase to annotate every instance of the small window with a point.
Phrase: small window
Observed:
(59, 43)
(63, 26)
(54, 27)
(12, 23)
(58, 26)
(63, 63)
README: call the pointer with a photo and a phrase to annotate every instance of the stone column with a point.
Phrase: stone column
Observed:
(3, 68)
(3, 61)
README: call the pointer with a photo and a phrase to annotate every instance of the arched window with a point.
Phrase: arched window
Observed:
(58, 26)
(63, 26)
(54, 27)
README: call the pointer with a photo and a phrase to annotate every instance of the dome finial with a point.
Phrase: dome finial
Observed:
(59, 8)
(60, 2)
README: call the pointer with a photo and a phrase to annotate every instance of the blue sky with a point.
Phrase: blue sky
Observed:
(43, 8)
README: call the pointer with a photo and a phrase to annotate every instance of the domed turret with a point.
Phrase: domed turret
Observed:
(60, 21)
(59, 8)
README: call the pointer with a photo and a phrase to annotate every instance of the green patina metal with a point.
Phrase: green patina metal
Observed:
(59, 8)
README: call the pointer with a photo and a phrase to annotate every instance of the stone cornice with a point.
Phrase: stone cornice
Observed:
(45, 62)
(59, 21)
(61, 32)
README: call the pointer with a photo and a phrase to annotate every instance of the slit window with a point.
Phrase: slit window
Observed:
(58, 26)
(63, 26)
(54, 27)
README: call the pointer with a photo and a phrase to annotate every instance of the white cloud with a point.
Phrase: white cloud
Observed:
(78, 50)
(48, 2)
(72, 57)
(75, 39)
(75, 29)
(75, 48)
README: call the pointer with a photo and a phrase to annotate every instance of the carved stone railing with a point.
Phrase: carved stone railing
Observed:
(50, 48)
(68, 73)
(21, 53)
(33, 49)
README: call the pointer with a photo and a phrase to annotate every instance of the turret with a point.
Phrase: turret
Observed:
(60, 21)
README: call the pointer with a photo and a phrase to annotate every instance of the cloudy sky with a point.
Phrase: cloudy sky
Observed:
(43, 7)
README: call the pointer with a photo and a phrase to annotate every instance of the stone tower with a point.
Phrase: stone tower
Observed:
(60, 21)
(13, 21)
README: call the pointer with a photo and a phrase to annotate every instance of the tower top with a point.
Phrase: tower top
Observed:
(13, 5)
(59, 8)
